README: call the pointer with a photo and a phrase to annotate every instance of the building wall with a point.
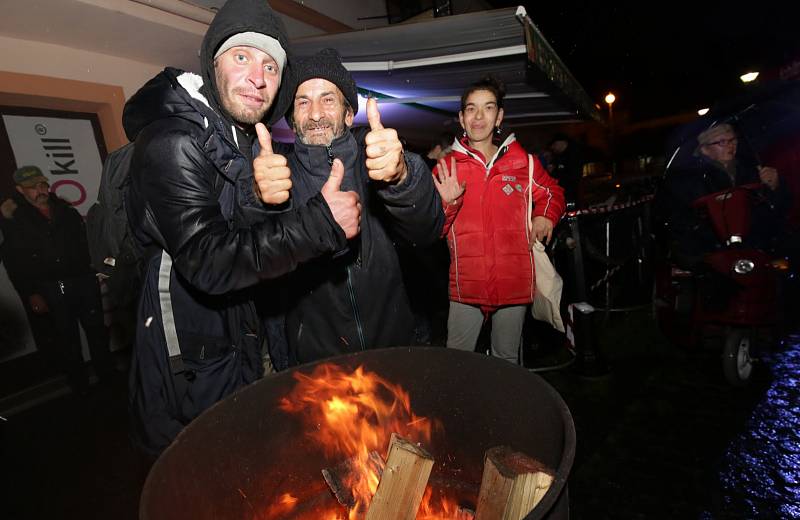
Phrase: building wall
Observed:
(29, 57)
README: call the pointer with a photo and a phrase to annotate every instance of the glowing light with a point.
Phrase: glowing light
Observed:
(702, 112)
(748, 77)
(610, 98)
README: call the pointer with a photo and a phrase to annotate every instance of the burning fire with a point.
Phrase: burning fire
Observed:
(284, 505)
(350, 415)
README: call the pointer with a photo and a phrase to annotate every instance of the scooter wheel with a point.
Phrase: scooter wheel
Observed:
(737, 365)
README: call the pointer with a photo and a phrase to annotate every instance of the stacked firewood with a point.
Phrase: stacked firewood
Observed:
(512, 484)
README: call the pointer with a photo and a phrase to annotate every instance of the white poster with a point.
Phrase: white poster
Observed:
(64, 149)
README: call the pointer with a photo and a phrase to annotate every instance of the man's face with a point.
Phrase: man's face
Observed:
(722, 149)
(558, 147)
(37, 195)
(247, 80)
(320, 112)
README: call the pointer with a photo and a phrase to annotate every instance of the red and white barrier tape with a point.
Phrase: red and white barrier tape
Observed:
(608, 209)
(605, 278)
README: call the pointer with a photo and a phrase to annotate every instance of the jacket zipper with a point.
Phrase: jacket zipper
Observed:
(330, 155)
(356, 314)
(353, 301)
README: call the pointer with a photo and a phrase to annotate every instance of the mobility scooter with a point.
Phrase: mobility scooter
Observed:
(734, 295)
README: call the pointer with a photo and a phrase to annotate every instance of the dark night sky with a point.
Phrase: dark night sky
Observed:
(662, 58)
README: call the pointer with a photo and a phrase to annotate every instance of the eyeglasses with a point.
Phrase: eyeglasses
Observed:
(723, 142)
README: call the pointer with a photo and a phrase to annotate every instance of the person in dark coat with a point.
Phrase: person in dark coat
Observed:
(354, 298)
(208, 239)
(567, 165)
(47, 259)
(716, 167)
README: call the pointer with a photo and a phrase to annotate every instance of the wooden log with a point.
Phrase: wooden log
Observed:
(512, 484)
(403, 483)
(337, 476)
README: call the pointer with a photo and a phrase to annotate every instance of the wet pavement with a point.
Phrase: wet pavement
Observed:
(653, 432)
(661, 435)
(760, 476)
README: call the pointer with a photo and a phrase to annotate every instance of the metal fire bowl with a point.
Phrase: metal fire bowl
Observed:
(239, 456)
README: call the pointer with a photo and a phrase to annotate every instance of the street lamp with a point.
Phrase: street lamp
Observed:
(748, 77)
(610, 98)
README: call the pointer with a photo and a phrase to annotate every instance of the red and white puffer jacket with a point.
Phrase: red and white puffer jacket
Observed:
(491, 264)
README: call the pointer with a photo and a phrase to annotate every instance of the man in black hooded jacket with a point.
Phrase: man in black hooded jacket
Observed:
(353, 299)
(209, 241)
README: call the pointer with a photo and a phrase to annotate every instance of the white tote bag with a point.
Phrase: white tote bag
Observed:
(547, 297)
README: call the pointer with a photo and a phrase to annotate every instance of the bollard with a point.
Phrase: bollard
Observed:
(589, 362)
(576, 265)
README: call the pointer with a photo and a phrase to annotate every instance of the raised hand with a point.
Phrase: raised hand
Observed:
(769, 176)
(541, 230)
(271, 174)
(446, 181)
(385, 161)
(7, 208)
(344, 205)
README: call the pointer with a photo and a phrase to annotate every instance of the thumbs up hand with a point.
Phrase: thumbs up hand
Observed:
(271, 174)
(344, 205)
(385, 161)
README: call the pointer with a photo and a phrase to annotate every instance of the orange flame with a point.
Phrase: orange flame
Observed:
(353, 414)
(285, 504)
(441, 508)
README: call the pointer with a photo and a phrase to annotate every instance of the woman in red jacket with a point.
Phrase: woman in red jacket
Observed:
(489, 227)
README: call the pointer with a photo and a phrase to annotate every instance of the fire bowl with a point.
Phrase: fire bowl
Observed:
(241, 455)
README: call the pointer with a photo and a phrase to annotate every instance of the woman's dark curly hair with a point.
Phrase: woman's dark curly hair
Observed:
(489, 83)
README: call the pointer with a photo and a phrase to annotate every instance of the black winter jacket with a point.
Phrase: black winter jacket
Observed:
(191, 197)
(355, 299)
(38, 251)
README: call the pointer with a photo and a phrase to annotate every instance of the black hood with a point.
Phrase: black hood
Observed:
(234, 17)
(165, 96)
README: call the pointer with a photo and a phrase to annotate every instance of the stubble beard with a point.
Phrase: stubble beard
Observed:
(335, 130)
(237, 111)
(39, 200)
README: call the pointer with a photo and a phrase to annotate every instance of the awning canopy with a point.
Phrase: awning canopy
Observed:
(418, 71)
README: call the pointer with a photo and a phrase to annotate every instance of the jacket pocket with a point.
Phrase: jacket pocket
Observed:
(211, 371)
(201, 347)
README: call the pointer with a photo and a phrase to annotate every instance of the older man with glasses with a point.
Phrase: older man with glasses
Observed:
(719, 144)
(717, 167)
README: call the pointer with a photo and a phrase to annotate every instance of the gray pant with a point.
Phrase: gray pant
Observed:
(464, 326)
